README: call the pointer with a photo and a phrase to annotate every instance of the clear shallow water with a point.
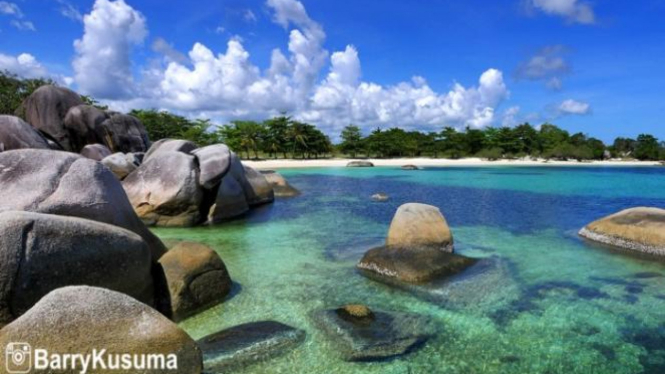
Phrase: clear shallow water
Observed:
(574, 308)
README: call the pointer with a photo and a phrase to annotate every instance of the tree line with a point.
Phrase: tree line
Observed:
(282, 136)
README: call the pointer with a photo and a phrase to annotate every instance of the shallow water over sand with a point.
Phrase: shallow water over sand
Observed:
(565, 306)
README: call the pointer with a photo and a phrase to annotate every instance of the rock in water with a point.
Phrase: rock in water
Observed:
(410, 167)
(215, 161)
(95, 152)
(380, 197)
(62, 183)
(243, 345)
(359, 164)
(83, 319)
(639, 229)
(420, 225)
(17, 134)
(42, 252)
(374, 335)
(46, 108)
(120, 164)
(170, 145)
(230, 201)
(197, 278)
(164, 190)
(262, 192)
(280, 186)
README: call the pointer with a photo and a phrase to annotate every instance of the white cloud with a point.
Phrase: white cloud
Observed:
(509, 116)
(23, 65)
(11, 9)
(571, 106)
(69, 11)
(220, 30)
(228, 85)
(249, 16)
(548, 65)
(102, 64)
(574, 11)
(162, 47)
(23, 25)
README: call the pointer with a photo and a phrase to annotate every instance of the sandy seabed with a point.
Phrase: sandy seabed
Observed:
(341, 162)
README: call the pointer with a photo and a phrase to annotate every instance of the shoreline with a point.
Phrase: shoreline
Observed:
(466, 162)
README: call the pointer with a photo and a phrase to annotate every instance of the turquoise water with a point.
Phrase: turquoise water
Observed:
(565, 306)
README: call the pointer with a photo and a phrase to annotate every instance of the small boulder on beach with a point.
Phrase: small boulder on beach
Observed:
(240, 346)
(197, 278)
(359, 164)
(85, 320)
(640, 229)
(361, 334)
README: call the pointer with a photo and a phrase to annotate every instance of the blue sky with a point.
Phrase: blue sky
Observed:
(594, 67)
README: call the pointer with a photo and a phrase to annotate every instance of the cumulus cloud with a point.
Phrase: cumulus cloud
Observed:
(510, 116)
(227, 85)
(574, 107)
(102, 64)
(23, 65)
(548, 65)
(574, 11)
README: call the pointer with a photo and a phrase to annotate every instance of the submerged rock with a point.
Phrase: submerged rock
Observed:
(412, 265)
(63, 183)
(17, 134)
(246, 344)
(197, 278)
(380, 197)
(95, 152)
(359, 164)
(42, 252)
(410, 167)
(280, 186)
(639, 229)
(46, 108)
(420, 225)
(82, 319)
(359, 334)
(164, 190)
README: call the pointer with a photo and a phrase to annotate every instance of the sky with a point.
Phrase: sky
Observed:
(595, 67)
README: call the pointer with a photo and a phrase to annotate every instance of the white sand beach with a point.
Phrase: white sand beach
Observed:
(341, 162)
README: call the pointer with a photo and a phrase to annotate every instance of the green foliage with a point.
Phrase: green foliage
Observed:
(647, 148)
(163, 125)
(351, 140)
(491, 154)
(13, 90)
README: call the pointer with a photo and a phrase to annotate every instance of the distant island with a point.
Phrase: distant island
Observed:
(283, 137)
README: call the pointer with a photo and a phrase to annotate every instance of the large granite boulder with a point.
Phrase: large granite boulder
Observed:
(170, 145)
(164, 190)
(359, 164)
(261, 189)
(120, 164)
(360, 334)
(420, 264)
(280, 186)
(230, 201)
(125, 133)
(46, 108)
(420, 225)
(84, 126)
(639, 229)
(62, 183)
(83, 320)
(95, 152)
(42, 252)
(197, 278)
(243, 345)
(215, 161)
(17, 134)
